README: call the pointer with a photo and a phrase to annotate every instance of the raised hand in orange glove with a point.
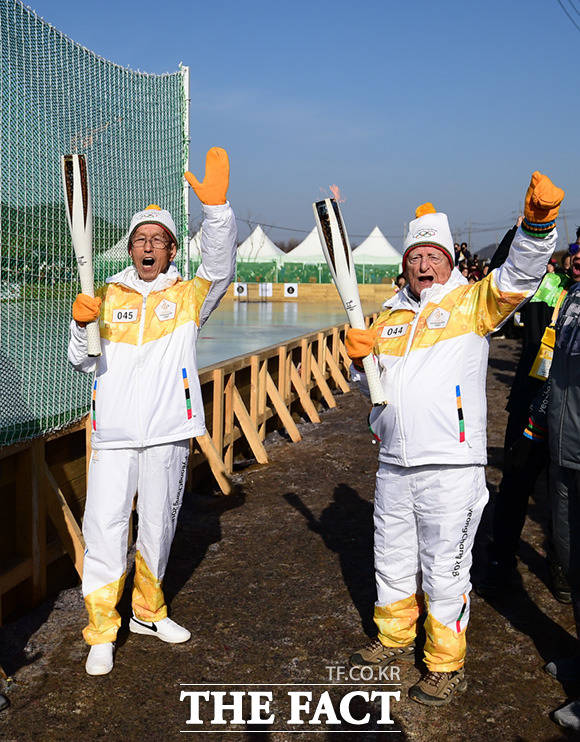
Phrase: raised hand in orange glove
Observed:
(214, 187)
(359, 344)
(86, 309)
(541, 207)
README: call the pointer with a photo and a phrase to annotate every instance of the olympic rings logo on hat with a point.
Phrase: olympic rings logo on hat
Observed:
(425, 233)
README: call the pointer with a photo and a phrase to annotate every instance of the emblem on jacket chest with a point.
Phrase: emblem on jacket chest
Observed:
(438, 319)
(165, 310)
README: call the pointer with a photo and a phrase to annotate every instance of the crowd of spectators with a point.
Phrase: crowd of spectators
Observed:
(470, 266)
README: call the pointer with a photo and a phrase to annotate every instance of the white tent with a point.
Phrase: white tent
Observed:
(308, 251)
(259, 248)
(114, 258)
(194, 247)
(376, 250)
(119, 251)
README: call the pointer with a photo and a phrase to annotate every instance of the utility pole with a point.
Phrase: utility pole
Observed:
(566, 227)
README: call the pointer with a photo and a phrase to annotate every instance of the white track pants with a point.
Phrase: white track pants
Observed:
(158, 473)
(426, 518)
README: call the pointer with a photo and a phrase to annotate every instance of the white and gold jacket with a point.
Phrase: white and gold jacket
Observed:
(146, 388)
(432, 356)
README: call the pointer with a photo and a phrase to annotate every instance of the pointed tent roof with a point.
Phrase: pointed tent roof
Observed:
(376, 250)
(119, 251)
(194, 246)
(308, 251)
(258, 247)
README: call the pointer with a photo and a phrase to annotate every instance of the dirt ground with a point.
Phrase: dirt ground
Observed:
(276, 584)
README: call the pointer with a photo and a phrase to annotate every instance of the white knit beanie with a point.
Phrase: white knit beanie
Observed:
(430, 230)
(154, 215)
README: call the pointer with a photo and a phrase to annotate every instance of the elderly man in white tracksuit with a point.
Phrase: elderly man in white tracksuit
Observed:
(146, 405)
(431, 345)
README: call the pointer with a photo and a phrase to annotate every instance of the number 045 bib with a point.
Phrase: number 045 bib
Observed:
(125, 315)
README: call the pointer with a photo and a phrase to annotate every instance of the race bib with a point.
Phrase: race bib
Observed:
(125, 315)
(438, 319)
(393, 331)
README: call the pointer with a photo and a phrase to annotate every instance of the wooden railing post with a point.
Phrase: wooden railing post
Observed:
(218, 410)
(38, 512)
(229, 422)
(304, 361)
(282, 372)
(262, 398)
(254, 382)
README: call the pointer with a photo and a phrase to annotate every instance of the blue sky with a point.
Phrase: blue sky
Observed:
(397, 103)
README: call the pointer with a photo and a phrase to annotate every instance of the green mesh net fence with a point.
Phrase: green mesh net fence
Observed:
(250, 272)
(377, 273)
(57, 98)
(309, 273)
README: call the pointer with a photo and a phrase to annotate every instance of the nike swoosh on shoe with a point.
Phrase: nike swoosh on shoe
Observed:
(146, 625)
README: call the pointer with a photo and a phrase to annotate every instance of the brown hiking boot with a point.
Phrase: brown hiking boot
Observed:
(437, 688)
(377, 654)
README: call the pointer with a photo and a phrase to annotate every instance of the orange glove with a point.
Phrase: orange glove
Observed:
(213, 189)
(543, 200)
(86, 309)
(360, 343)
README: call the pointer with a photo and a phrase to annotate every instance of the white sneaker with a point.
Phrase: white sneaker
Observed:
(166, 630)
(100, 659)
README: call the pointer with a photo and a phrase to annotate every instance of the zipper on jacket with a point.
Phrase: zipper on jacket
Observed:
(414, 325)
(139, 374)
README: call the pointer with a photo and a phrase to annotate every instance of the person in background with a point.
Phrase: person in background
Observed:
(565, 262)
(575, 246)
(400, 282)
(464, 253)
(557, 409)
(520, 472)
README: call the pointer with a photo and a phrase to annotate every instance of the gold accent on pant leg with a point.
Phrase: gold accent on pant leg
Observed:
(444, 647)
(104, 619)
(397, 622)
(148, 599)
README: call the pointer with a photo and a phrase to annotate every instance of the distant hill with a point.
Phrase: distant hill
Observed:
(40, 228)
(486, 253)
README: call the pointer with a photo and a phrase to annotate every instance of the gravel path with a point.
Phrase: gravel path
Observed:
(276, 584)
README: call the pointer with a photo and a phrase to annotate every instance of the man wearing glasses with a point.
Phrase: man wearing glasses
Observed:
(431, 344)
(146, 405)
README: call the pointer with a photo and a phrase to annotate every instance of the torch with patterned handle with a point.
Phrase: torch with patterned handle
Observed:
(338, 254)
(77, 199)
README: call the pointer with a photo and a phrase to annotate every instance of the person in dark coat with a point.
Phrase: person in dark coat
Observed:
(522, 464)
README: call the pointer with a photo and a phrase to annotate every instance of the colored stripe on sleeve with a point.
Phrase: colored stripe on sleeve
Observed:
(94, 406)
(186, 390)
(460, 414)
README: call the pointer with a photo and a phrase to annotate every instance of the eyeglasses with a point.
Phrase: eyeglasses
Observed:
(433, 258)
(157, 243)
